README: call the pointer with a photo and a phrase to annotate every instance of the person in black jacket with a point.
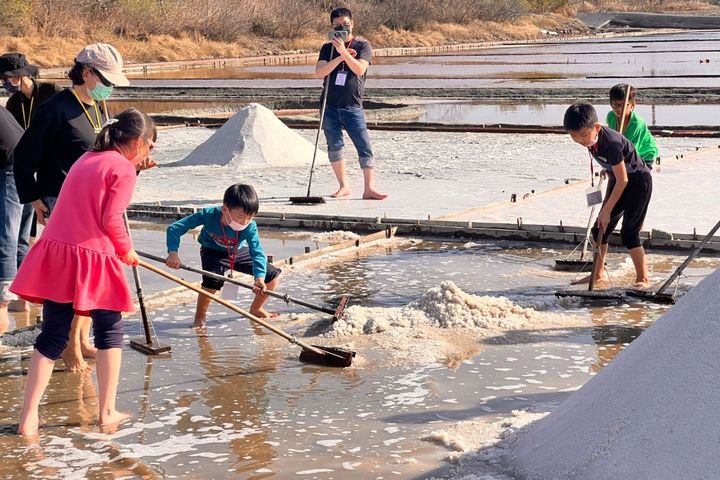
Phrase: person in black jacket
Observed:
(26, 94)
(10, 212)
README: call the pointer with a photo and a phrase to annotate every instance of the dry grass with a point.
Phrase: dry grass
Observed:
(151, 30)
(53, 52)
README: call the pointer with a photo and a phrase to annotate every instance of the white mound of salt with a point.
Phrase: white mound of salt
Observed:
(651, 413)
(445, 307)
(254, 138)
(334, 236)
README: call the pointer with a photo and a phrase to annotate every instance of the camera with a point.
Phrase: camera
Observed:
(341, 34)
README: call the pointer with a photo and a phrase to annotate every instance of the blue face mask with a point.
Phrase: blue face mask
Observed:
(101, 92)
(10, 87)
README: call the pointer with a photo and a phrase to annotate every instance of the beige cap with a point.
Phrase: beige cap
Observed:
(105, 59)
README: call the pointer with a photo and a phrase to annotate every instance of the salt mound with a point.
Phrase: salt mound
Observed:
(651, 413)
(444, 307)
(253, 138)
(334, 236)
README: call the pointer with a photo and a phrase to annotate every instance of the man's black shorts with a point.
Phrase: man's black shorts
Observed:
(216, 261)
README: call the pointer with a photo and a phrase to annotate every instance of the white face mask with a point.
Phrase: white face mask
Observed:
(238, 227)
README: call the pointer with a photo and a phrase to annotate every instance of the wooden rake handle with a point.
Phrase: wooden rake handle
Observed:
(234, 308)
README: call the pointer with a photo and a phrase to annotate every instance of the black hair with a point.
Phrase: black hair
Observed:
(129, 125)
(618, 92)
(243, 197)
(579, 116)
(339, 13)
(75, 73)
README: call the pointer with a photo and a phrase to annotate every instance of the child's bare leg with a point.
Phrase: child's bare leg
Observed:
(72, 355)
(600, 275)
(39, 374)
(642, 278)
(256, 308)
(88, 349)
(108, 372)
(203, 303)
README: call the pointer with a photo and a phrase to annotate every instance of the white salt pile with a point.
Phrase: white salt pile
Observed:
(334, 236)
(651, 413)
(254, 138)
(444, 307)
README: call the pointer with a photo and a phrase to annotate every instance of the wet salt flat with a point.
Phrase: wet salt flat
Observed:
(551, 115)
(455, 171)
(461, 111)
(231, 403)
(666, 60)
(430, 381)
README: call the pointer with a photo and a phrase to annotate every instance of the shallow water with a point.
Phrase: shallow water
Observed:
(231, 403)
(651, 61)
(551, 115)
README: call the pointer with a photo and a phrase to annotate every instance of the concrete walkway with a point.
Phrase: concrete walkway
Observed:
(685, 197)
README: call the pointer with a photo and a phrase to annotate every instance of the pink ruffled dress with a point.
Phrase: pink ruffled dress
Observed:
(76, 259)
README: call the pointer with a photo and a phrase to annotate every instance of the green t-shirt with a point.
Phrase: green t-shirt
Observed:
(638, 133)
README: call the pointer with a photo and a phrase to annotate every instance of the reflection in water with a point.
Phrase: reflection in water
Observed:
(534, 113)
(236, 397)
(615, 328)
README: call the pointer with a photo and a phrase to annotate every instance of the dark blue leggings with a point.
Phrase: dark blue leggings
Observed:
(57, 319)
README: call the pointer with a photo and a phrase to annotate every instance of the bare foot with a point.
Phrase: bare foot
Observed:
(18, 305)
(641, 284)
(29, 425)
(88, 351)
(198, 323)
(341, 193)
(74, 363)
(109, 421)
(262, 313)
(372, 194)
(586, 279)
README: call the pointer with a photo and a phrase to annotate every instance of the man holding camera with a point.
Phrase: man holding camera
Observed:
(343, 62)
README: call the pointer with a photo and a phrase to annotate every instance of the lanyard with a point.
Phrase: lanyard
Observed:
(342, 64)
(592, 169)
(26, 118)
(232, 250)
(96, 127)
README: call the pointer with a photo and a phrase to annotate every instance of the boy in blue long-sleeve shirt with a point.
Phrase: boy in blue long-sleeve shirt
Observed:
(229, 237)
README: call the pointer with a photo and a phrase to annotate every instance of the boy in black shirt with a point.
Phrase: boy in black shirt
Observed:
(344, 61)
(628, 191)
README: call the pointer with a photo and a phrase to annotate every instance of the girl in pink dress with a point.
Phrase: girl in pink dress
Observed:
(76, 266)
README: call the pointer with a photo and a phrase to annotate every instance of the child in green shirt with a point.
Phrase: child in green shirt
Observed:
(635, 130)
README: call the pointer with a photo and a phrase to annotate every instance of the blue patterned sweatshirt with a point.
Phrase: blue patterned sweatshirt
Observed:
(219, 237)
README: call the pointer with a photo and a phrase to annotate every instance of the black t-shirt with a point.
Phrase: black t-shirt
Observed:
(59, 134)
(10, 133)
(24, 108)
(350, 94)
(612, 149)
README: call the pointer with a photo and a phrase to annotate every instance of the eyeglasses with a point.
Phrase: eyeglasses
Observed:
(102, 79)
